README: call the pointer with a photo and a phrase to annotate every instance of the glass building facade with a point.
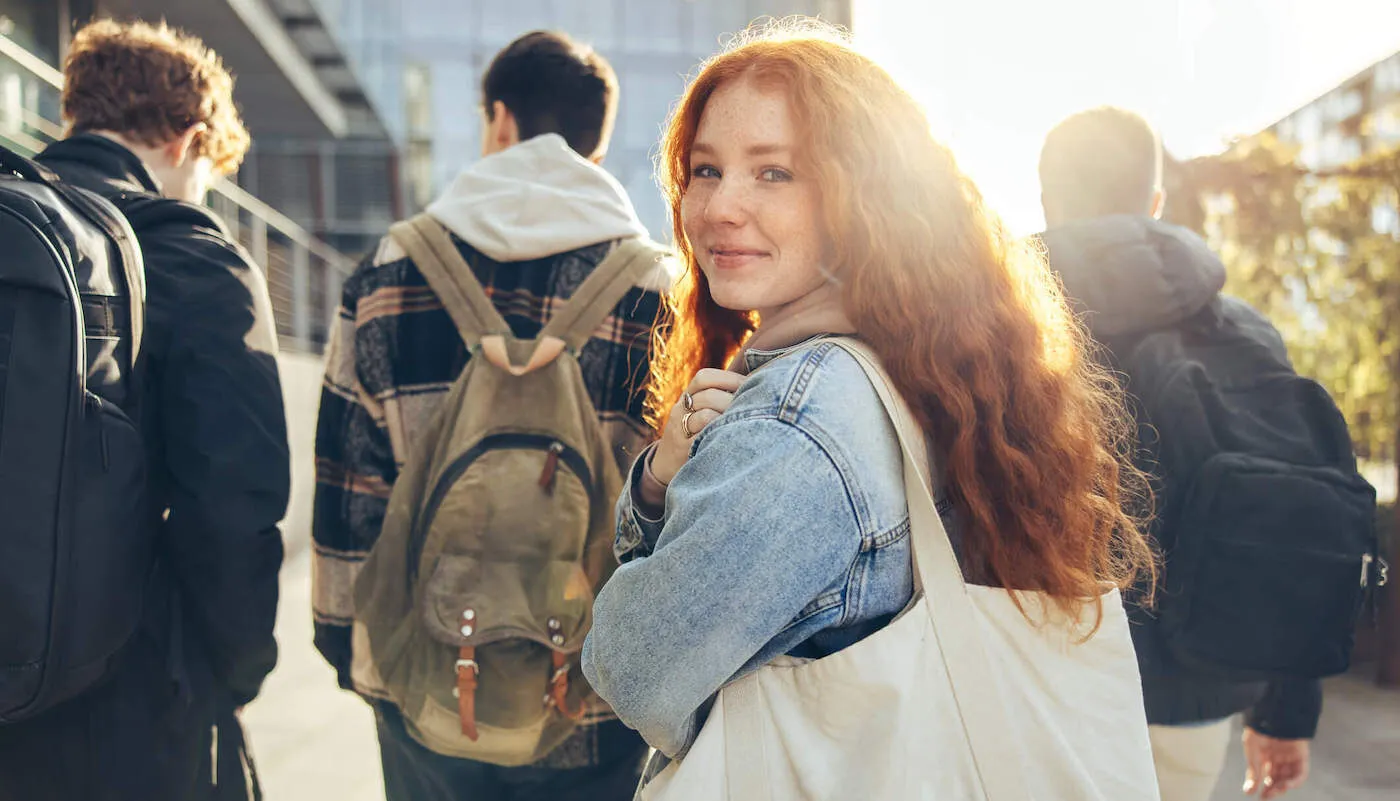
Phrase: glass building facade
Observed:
(421, 63)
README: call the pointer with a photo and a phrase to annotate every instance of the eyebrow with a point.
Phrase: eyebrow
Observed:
(756, 150)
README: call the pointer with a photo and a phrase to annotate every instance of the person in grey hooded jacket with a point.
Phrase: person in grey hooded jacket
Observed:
(1129, 273)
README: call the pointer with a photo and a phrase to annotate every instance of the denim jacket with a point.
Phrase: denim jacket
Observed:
(787, 532)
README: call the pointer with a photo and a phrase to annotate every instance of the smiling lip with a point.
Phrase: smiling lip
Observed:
(734, 258)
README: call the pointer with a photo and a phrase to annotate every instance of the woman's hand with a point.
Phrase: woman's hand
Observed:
(708, 395)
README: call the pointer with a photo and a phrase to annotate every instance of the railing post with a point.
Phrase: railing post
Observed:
(301, 296)
(333, 280)
(257, 238)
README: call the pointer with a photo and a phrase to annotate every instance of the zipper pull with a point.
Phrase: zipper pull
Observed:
(1366, 569)
(551, 466)
(102, 433)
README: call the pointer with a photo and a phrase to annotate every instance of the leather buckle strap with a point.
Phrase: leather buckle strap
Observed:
(559, 689)
(467, 670)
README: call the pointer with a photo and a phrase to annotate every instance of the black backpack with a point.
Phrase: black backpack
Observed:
(1267, 527)
(76, 532)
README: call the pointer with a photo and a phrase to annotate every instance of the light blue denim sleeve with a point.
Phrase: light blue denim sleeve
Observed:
(636, 532)
(758, 523)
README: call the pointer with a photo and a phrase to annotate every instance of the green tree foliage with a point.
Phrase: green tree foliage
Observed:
(1319, 254)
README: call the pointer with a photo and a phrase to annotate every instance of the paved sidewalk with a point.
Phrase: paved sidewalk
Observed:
(314, 742)
(1356, 756)
(311, 740)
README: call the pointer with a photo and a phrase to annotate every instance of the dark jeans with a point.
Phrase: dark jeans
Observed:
(413, 773)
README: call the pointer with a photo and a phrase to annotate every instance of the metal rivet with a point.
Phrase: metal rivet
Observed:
(554, 622)
(557, 639)
(467, 631)
(469, 614)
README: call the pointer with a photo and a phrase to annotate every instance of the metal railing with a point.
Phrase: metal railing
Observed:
(304, 274)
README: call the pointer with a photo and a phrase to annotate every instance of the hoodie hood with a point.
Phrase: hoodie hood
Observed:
(1131, 274)
(536, 199)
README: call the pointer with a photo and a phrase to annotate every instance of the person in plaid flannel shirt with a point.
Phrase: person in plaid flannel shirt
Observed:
(533, 218)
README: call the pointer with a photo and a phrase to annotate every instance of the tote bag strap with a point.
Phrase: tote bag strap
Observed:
(746, 742)
(986, 721)
(990, 732)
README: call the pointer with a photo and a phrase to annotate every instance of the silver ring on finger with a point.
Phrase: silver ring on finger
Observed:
(687, 401)
(685, 425)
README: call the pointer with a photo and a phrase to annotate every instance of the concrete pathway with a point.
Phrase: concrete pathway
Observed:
(314, 742)
(1356, 756)
(311, 740)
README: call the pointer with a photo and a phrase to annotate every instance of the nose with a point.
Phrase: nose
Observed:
(727, 203)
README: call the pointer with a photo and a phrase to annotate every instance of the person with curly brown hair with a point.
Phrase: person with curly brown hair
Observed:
(151, 123)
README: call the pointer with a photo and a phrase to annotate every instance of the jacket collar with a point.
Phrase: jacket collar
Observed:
(105, 156)
(754, 358)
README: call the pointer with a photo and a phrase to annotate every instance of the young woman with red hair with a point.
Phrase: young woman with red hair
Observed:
(768, 530)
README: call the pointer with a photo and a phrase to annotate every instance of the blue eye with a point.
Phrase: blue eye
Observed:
(704, 171)
(775, 175)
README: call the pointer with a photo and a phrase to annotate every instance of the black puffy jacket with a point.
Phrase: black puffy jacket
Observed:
(215, 429)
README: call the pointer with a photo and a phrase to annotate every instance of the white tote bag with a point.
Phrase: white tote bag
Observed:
(960, 698)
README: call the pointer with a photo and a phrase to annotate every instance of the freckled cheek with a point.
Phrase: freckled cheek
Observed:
(693, 213)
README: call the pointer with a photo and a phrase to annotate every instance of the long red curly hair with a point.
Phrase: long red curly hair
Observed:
(971, 325)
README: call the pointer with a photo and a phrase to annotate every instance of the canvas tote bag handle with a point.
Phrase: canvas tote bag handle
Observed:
(985, 720)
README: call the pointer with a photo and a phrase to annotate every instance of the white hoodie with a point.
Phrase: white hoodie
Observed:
(536, 199)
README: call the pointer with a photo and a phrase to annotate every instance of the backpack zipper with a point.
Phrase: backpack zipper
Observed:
(1371, 565)
(102, 433)
(555, 452)
(551, 464)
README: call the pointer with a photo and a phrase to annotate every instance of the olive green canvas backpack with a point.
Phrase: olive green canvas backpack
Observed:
(473, 605)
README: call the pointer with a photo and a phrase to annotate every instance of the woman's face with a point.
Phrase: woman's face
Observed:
(752, 217)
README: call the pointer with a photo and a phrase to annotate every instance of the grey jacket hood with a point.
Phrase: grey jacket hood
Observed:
(1130, 274)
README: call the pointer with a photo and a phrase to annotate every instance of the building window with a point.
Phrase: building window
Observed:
(593, 23)
(437, 20)
(646, 98)
(504, 22)
(418, 114)
(1342, 105)
(33, 26)
(1385, 124)
(418, 99)
(1309, 122)
(1388, 76)
(651, 26)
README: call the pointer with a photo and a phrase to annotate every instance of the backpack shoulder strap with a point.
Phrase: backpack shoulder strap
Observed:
(451, 278)
(600, 292)
(102, 213)
(105, 214)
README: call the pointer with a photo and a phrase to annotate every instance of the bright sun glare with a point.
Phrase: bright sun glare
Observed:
(996, 75)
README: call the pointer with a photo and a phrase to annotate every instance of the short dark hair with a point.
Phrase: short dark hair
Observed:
(1102, 161)
(553, 84)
